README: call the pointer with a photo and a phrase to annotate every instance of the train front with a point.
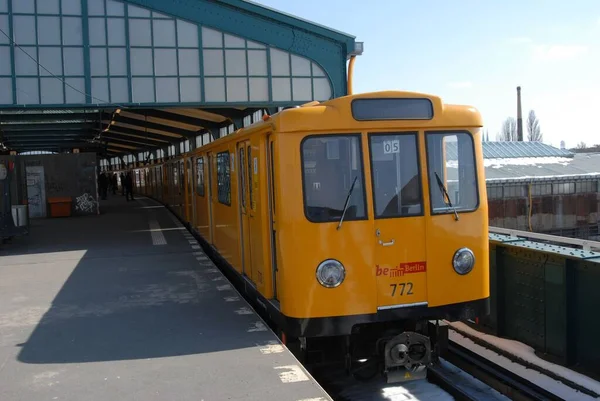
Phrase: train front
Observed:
(394, 228)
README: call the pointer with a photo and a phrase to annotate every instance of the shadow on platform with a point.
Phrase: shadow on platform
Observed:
(120, 307)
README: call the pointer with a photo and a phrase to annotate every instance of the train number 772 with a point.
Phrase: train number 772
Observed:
(402, 287)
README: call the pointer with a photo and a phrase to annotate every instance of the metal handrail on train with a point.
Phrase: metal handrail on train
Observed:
(586, 245)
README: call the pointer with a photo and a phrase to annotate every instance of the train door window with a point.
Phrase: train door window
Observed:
(181, 177)
(242, 176)
(332, 165)
(451, 172)
(160, 177)
(200, 175)
(395, 175)
(190, 174)
(223, 178)
(272, 161)
(250, 182)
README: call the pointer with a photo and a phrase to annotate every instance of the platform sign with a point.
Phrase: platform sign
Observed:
(36, 191)
(391, 146)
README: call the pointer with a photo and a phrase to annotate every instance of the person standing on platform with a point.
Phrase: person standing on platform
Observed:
(122, 184)
(103, 184)
(128, 186)
(115, 183)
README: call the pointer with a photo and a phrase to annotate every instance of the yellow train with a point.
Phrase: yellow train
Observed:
(362, 220)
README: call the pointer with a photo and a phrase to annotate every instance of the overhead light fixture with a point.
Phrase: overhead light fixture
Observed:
(358, 49)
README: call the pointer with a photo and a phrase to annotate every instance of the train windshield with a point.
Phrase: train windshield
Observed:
(451, 170)
(395, 175)
(331, 164)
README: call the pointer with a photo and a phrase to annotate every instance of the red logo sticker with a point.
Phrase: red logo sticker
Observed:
(402, 269)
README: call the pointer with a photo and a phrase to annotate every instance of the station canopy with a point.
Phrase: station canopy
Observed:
(122, 77)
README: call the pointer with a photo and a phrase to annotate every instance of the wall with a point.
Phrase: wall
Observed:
(569, 214)
(546, 296)
(67, 175)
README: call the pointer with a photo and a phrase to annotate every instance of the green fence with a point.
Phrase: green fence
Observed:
(547, 297)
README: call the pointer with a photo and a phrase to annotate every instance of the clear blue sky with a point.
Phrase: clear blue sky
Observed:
(477, 53)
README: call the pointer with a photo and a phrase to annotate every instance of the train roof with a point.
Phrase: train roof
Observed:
(329, 114)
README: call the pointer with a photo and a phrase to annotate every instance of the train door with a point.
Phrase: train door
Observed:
(209, 162)
(399, 225)
(194, 186)
(244, 184)
(181, 199)
(272, 221)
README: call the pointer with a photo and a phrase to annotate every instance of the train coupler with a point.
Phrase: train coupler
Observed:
(438, 332)
(407, 356)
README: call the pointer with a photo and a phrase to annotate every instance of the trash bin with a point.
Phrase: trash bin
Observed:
(20, 215)
(60, 207)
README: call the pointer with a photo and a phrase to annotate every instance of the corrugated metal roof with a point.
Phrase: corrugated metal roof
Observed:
(581, 165)
(503, 150)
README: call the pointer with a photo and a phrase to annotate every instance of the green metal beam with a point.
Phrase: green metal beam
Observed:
(48, 134)
(116, 129)
(139, 143)
(178, 118)
(47, 127)
(48, 117)
(161, 127)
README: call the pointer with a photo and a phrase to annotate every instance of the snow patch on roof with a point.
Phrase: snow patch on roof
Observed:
(527, 353)
(518, 161)
(526, 161)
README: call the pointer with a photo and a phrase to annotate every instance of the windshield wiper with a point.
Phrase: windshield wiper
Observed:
(347, 201)
(445, 192)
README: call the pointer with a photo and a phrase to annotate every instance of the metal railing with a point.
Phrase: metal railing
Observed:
(586, 245)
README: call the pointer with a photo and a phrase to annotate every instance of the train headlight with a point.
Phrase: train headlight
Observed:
(330, 273)
(463, 261)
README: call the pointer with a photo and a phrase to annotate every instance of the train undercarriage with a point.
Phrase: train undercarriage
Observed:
(400, 351)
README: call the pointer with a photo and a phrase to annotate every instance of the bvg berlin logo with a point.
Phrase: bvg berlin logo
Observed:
(401, 269)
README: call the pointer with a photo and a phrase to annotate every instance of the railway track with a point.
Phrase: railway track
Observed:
(500, 379)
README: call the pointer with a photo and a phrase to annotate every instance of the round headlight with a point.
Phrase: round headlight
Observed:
(463, 261)
(330, 273)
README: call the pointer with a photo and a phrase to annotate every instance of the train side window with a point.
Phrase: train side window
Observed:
(200, 174)
(451, 156)
(395, 175)
(331, 163)
(224, 178)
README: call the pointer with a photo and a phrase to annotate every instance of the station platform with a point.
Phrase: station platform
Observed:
(125, 306)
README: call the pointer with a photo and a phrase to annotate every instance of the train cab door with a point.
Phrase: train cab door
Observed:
(272, 206)
(399, 225)
(245, 207)
(209, 162)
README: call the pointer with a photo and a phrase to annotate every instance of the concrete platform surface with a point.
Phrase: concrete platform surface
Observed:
(125, 306)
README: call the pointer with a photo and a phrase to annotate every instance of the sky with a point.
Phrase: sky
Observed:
(477, 53)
